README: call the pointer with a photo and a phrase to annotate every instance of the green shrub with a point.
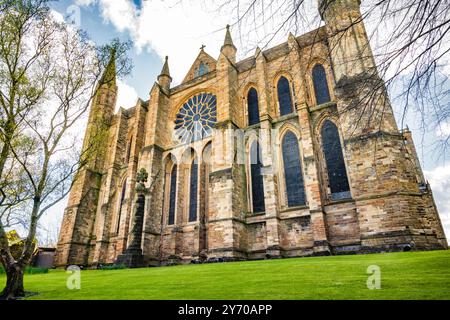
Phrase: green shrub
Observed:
(112, 267)
(29, 270)
(32, 270)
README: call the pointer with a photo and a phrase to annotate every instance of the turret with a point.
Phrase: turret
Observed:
(164, 79)
(100, 115)
(349, 44)
(79, 217)
(228, 49)
(108, 78)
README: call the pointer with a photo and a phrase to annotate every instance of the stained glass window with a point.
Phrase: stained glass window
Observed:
(122, 199)
(284, 96)
(320, 84)
(193, 196)
(196, 118)
(337, 175)
(257, 179)
(293, 171)
(173, 195)
(253, 108)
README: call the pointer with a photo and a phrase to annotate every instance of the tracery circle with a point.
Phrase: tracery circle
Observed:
(196, 118)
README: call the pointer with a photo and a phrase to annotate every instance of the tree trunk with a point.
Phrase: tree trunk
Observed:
(14, 282)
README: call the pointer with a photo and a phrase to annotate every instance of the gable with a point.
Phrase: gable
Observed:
(203, 64)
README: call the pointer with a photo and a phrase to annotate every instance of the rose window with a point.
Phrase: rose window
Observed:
(196, 118)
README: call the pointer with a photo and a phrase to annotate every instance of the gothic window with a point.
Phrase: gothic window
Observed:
(202, 69)
(293, 170)
(284, 96)
(256, 178)
(337, 175)
(193, 195)
(196, 118)
(320, 84)
(122, 200)
(172, 194)
(253, 107)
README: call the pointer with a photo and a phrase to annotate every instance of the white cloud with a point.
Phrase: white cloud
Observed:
(122, 13)
(57, 16)
(439, 179)
(178, 28)
(443, 130)
(170, 28)
(84, 2)
(126, 96)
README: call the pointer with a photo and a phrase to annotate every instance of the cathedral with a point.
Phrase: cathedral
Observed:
(291, 152)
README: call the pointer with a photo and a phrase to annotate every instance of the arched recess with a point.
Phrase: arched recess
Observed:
(320, 84)
(256, 185)
(188, 177)
(193, 188)
(121, 204)
(172, 195)
(170, 189)
(339, 187)
(292, 169)
(252, 106)
(284, 93)
(205, 169)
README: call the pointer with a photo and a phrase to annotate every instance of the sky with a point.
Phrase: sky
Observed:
(178, 29)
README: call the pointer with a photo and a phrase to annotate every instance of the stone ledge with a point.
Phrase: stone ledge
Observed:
(376, 135)
(196, 81)
(293, 115)
(322, 106)
(387, 195)
(228, 172)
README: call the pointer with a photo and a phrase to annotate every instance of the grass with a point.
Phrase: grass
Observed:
(408, 275)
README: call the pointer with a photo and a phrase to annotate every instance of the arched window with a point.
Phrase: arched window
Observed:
(256, 179)
(337, 175)
(293, 171)
(202, 69)
(122, 200)
(172, 194)
(193, 195)
(284, 96)
(320, 84)
(253, 107)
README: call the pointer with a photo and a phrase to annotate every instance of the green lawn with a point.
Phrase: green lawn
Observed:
(410, 275)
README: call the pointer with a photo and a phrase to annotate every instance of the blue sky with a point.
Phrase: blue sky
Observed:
(158, 28)
(147, 63)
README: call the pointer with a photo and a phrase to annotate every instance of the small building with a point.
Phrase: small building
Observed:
(44, 258)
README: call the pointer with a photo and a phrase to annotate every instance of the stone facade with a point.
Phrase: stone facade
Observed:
(390, 206)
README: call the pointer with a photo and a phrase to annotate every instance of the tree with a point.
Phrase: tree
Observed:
(50, 73)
